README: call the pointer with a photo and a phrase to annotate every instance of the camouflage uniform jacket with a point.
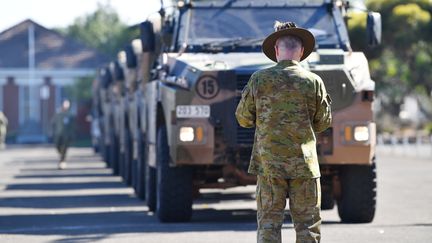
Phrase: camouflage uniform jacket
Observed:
(286, 104)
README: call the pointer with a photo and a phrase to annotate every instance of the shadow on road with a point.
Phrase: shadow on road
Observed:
(107, 223)
(215, 197)
(58, 202)
(78, 239)
(65, 175)
(54, 169)
(93, 217)
(125, 222)
(65, 186)
(43, 159)
(36, 161)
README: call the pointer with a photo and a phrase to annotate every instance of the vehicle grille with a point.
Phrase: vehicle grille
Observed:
(245, 136)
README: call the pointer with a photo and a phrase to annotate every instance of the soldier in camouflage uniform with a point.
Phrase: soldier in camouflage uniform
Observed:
(3, 129)
(63, 129)
(286, 104)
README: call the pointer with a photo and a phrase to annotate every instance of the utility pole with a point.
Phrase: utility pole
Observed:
(31, 73)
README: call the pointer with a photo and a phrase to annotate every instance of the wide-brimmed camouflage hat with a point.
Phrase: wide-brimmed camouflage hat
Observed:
(284, 29)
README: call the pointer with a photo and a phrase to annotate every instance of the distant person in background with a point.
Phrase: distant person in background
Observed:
(63, 125)
(3, 127)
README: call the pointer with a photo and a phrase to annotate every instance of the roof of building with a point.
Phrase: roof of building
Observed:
(52, 49)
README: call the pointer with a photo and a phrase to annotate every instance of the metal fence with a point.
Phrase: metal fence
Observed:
(419, 146)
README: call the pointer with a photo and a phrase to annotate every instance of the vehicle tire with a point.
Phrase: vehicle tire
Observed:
(134, 174)
(104, 151)
(131, 59)
(327, 200)
(150, 187)
(121, 162)
(111, 152)
(358, 193)
(106, 155)
(96, 148)
(147, 36)
(134, 168)
(114, 154)
(139, 170)
(128, 158)
(174, 185)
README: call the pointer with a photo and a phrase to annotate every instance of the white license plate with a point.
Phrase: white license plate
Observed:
(193, 111)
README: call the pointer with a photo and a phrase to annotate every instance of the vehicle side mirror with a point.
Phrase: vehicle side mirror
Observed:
(374, 29)
(131, 58)
(167, 32)
(148, 37)
(106, 77)
(118, 72)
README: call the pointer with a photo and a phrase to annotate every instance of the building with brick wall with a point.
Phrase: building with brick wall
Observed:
(36, 64)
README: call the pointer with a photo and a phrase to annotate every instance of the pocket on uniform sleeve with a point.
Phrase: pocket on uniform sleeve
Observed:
(311, 158)
(309, 151)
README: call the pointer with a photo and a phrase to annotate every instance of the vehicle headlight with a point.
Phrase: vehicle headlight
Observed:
(361, 133)
(187, 134)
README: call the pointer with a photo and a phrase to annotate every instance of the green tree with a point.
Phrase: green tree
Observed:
(81, 90)
(103, 30)
(402, 64)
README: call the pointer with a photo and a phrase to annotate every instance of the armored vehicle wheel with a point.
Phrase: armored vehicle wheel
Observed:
(106, 155)
(174, 185)
(139, 171)
(358, 193)
(128, 158)
(104, 148)
(134, 175)
(327, 200)
(96, 148)
(114, 155)
(121, 165)
(150, 183)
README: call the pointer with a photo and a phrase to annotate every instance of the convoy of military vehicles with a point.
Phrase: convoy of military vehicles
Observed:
(165, 107)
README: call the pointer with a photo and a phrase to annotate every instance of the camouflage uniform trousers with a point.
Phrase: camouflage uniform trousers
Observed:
(62, 143)
(304, 203)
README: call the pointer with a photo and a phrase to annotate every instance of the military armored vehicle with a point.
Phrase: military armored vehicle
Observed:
(115, 109)
(134, 147)
(121, 97)
(104, 101)
(191, 67)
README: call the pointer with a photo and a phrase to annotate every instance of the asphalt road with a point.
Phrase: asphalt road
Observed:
(85, 203)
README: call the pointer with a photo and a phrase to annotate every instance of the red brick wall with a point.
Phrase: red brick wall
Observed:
(83, 126)
(48, 105)
(10, 104)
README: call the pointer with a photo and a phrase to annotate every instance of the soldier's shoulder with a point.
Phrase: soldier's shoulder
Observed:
(262, 73)
(310, 75)
(259, 73)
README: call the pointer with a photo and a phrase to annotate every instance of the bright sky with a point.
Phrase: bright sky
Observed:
(61, 13)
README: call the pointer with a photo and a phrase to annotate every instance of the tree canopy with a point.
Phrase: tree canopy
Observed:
(103, 30)
(402, 64)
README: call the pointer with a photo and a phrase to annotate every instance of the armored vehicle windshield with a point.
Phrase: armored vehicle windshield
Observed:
(242, 25)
